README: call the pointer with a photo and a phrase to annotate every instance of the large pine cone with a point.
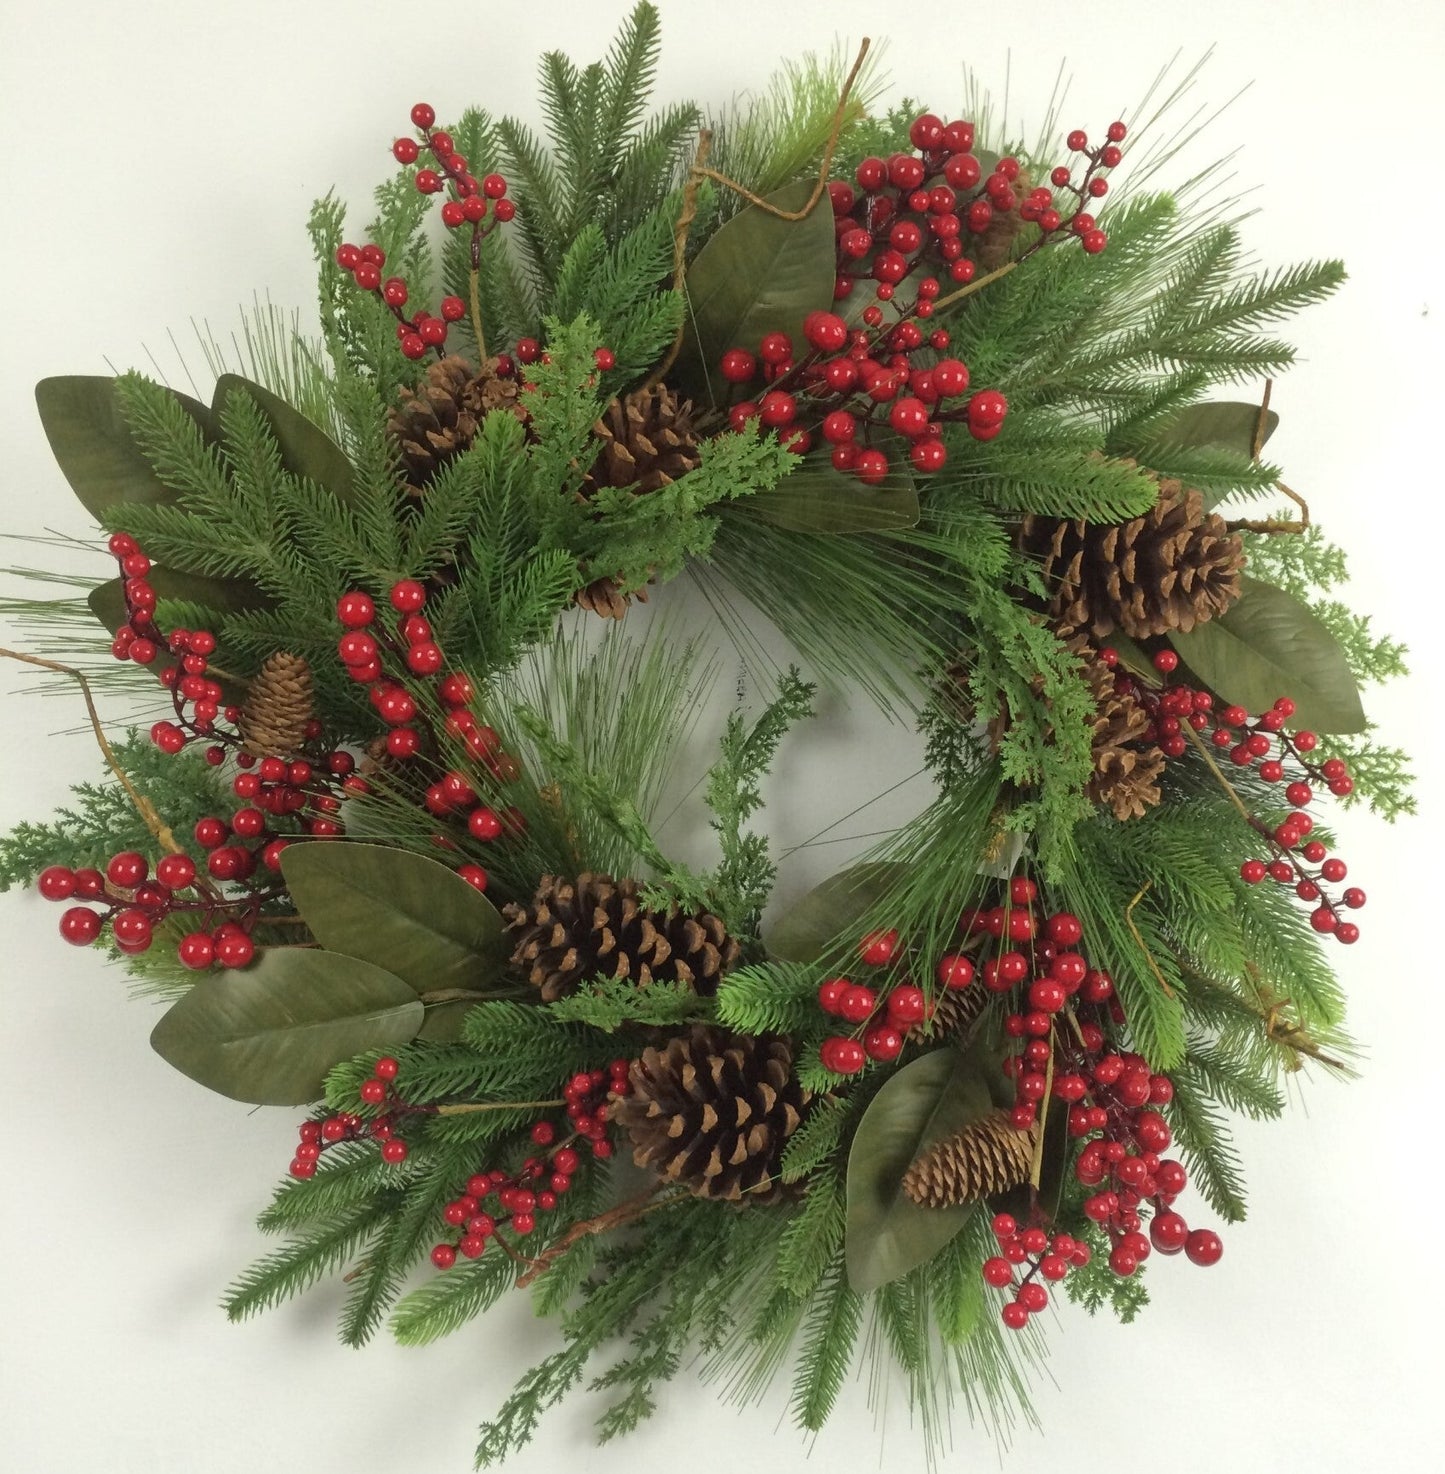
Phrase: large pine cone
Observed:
(712, 1111)
(989, 1156)
(437, 421)
(277, 707)
(595, 926)
(1172, 568)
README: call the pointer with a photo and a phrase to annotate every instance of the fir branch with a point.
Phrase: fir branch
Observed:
(742, 882)
(610, 1004)
(769, 997)
(830, 1335)
(449, 1301)
(817, 1138)
(814, 1237)
(319, 1251)
(1205, 1144)
(349, 1175)
(1095, 1284)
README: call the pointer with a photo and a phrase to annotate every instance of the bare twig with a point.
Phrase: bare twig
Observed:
(624, 1213)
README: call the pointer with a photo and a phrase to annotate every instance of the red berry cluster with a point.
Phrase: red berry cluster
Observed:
(1280, 757)
(881, 1017)
(316, 1136)
(1047, 1257)
(469, 203)
(536, 1186)
(842, 388)
(412, 734)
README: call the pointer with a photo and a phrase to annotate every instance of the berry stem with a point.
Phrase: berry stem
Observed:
(466, 1107)
(626, 1212)
(1135, 933)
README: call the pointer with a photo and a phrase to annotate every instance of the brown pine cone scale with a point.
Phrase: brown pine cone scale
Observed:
(712, 1112)
(437, 421)
(594, 926)
(277, 707)
(988, 1157)
(1172, 568)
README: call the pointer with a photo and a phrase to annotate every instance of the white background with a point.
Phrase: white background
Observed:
(158, 162)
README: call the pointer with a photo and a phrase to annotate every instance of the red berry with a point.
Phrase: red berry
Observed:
(878, 948)
(955, 971)
(1203, 1246)
(857, 1004)
(56, 883)
(830, 994)
(485, 824)
(1014, 1316)
(907, 1005)
(393, 1151)
(127, 869)
(883, 1042)
(407, 596)
(234, 949)
(738, 366)
(842, 1056)
(80, 926)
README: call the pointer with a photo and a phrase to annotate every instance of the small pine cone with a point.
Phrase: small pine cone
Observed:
(437, 421)
(955, 1011)
(646, 441)
(277, 707)
(604, 597)
(995, 245)
(1172, 568)
(1126, 768)
(712, 1111)
(988, 1157)
(575, 930)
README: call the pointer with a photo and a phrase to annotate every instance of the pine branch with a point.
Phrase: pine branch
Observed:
(830, 1334)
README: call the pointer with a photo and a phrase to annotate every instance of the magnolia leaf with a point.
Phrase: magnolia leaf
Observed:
(401, 911)
(828, 911)
(819, 498)
(887, 1233)
(444, 1021)
(1226, 423)
(306, 449)
(93, 445)
(758, 274)
(1269, 645)
(269, 1033)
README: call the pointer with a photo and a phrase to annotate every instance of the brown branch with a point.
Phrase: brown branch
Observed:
(143, 805)
(977, 285)
(622, 1214)
(1256, 444)
(839, 116)
(1036, 1167)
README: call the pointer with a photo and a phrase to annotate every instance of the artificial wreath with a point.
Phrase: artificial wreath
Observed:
(945, 416)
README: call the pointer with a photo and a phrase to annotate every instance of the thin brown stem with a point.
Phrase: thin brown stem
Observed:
(680, 233)
(839, 116)
(1256, 444)
(474, 294)
(466, 1107)
(143, 806)
(623, 1214)
(1138, 937)
(976, 285)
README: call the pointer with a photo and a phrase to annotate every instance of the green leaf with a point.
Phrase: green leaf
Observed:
(888, 1234)
(819, 498)
(444, 1021)
(93, 446)
(226, 595)
(269, 1033)
(830, 910)
(1227, 424)
(758, 274)
(1270, 645)
(404, 912)
(306, 449)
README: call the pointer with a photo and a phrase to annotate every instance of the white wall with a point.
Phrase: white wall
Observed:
(158, 161)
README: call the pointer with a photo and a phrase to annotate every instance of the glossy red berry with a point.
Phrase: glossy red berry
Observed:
(56, 883)
(955, 971)
(878, 948)
(883, 1042)
(80, 926)
(127, 869)
(842, 1056)
(738, 366)
(1203, 1246)
(234, 949)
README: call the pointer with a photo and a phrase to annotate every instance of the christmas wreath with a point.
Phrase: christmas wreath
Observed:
(944, 416)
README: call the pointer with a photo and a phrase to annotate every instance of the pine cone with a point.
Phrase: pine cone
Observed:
(712, 1111)
(437, 421)
(277, 707)
(595, 926)
(995, 245)
(1172, 568)
(647, 440)
(955, 1011)
(604, 598)
(1126, 768)
(988, 1157)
